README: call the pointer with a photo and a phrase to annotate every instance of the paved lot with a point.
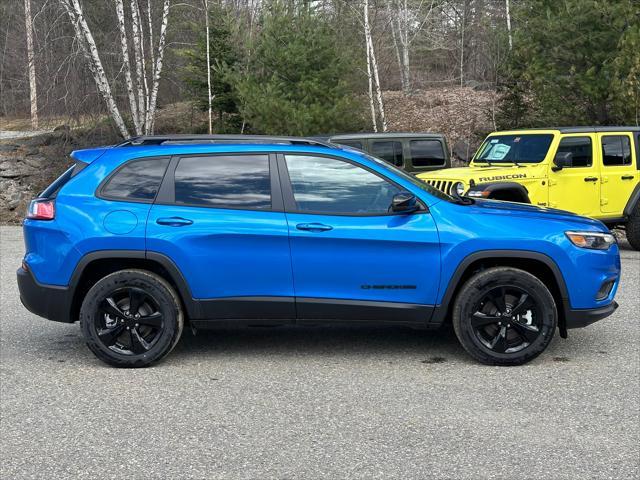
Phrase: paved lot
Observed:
(318, 402)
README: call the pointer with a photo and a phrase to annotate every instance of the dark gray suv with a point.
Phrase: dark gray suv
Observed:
(413, 152)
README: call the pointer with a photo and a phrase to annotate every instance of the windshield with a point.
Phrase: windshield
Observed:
(514, 149)
(410, 178)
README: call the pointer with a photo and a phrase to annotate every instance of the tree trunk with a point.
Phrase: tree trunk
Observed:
(508, 11)
(157, 68)
(374, 65)
(31, 65)
(206, 15)
(135, 114)
(84, 36)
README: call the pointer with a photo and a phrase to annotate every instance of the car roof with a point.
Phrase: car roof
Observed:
(585, 129)
(355, 136)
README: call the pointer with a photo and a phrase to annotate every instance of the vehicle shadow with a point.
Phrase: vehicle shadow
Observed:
(286, 341)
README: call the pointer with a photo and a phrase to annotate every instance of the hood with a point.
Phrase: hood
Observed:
(485, 174)
(503, 208)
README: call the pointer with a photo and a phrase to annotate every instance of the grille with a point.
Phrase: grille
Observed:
(442, 185)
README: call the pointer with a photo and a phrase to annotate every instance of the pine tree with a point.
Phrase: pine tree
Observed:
(567, 64)
(298, 80)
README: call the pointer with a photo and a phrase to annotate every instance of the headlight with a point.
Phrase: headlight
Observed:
(458, 187)
(593, 240)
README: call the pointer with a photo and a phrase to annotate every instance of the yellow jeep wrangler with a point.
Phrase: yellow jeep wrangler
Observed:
(592, 171)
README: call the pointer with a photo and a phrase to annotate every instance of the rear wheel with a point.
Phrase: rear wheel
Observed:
(633, 228)
(504, 316)
(131, 318)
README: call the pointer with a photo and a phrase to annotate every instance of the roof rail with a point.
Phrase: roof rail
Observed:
(220, 139)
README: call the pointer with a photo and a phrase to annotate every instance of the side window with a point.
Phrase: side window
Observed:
(391, 151)
(426, 153)
(331, 186)
(616, 150)
(580, 148)
(224, 181)
(137, 180)
(350, 143)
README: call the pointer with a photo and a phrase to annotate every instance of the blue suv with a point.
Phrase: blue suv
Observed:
(138, 239)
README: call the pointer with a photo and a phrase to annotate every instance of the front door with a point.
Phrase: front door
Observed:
(219, 218)
(576, 187)
(351, 258)
(619, 171)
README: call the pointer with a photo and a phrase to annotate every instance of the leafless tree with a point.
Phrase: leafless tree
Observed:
(31, 64)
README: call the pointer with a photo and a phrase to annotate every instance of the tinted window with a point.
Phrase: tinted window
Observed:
(426, 153)
(349, 143)
(580, 148)
(327, 185)
(530, 148)
(231, 181)
(389, 151)
(616, 150)
(137, 180)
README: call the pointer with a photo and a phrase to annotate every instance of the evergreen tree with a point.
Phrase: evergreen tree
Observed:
(298, 80)
(573, 62)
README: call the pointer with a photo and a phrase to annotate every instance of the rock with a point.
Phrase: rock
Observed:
(62, 128)
(9, 147)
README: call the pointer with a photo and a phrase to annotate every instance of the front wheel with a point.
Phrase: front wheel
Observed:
(504, 316)
(633, 228)
(131, 318)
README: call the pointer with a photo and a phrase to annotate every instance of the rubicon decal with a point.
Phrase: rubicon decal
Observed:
(503, 177)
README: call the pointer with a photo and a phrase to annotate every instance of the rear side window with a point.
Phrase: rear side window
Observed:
(52, 190)
(231, 181)
(616, 150)
(391, 151)
(580, 149)
(138, 180)
(426, 153)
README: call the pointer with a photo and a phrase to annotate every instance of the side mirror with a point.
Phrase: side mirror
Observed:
(561, 160)
(404, 202)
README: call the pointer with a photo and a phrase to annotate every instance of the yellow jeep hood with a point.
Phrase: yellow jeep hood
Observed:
(484, 174)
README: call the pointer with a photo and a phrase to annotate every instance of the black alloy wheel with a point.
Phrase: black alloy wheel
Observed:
(131, 318)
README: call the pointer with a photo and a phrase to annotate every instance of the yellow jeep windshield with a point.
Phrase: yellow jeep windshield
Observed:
(529, 148)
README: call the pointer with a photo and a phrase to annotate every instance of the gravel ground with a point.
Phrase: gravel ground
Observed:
(11, 134)
(318, 402)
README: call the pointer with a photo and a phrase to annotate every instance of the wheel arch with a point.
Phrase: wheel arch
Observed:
(96, 265)
(511, 191)
(538, 264)
(634, 199)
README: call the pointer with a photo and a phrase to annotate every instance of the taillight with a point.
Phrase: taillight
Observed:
(41, 209)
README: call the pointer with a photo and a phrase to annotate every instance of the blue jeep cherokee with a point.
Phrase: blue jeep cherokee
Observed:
(137, 239)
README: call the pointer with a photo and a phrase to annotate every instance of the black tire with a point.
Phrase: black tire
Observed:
(131, 318)
(511, 331)
(633, 228)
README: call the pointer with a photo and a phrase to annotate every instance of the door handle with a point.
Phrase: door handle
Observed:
(627, 177)
(590, 179)
(314, 227)
(174, 221)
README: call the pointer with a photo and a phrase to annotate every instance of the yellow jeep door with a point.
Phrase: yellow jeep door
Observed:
(576, 187)
(619, 172)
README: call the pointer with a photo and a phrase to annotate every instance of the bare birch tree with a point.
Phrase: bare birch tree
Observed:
(508, 14)
(85, 38)
(142, 99)
(207, 39)
(372, 65)
(31, 64)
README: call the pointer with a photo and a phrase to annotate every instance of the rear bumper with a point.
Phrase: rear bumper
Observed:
(48, 301)
(583, 317)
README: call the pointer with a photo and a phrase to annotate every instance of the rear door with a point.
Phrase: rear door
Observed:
(576, 187)
(219, 218)
(619, 171)
(351, 258)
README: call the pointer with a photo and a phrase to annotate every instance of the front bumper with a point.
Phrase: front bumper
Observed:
(48, 301)
(583, 317)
